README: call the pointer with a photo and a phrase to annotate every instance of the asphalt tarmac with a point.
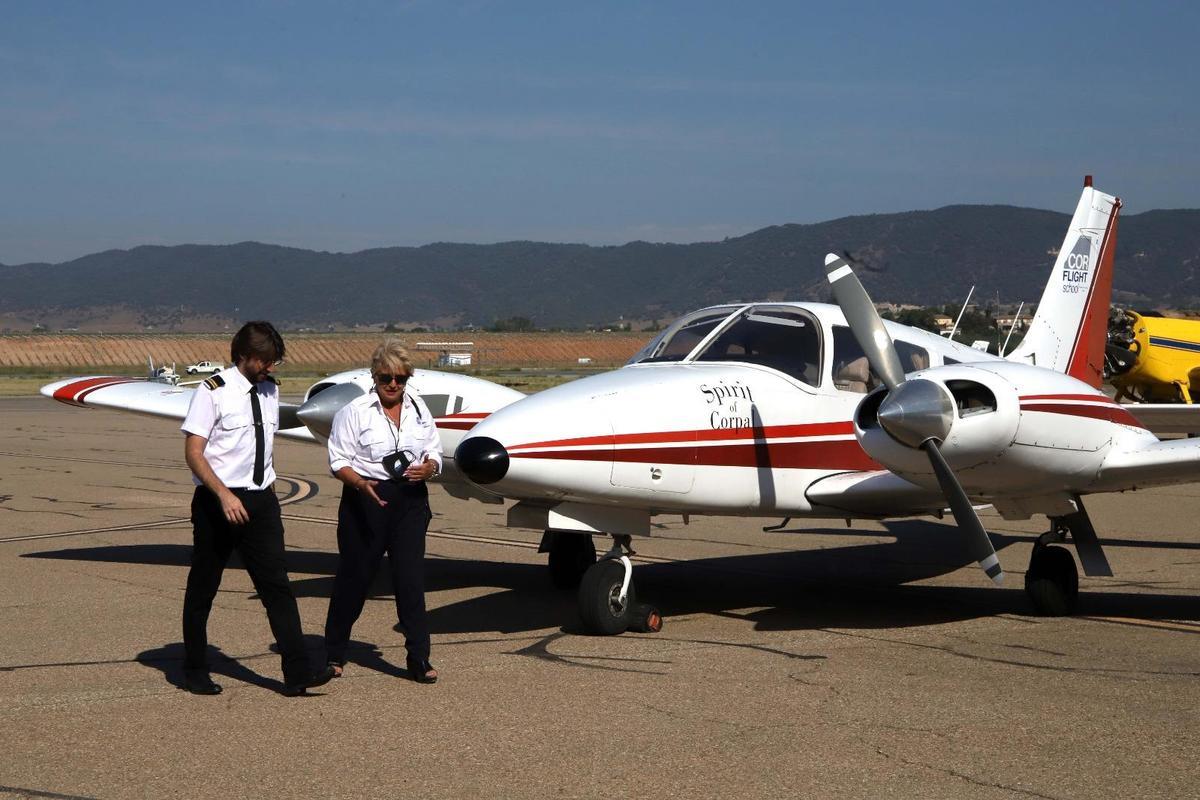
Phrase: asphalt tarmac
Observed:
(819, 661)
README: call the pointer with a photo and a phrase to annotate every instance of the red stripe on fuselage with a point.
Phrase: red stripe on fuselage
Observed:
(1110, 413)
(462, 421)
(840, 454)
(456, 425)
(704, 435)
(1093, 398)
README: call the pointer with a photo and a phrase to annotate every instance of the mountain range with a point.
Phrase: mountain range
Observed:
(917, 257)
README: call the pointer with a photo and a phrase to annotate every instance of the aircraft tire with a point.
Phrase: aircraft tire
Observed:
(598, 591)
(1052, 581)
(646, 619)
(571, 554)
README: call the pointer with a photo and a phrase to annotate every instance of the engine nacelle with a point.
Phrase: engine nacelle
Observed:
(987, 413)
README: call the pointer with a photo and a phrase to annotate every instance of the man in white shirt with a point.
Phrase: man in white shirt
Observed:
(230, 429)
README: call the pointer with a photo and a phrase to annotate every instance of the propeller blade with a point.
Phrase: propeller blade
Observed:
(968, 521)
(864, 321)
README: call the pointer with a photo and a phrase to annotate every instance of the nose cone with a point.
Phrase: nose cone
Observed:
(482, 459)
(916, 411)
(318, 411)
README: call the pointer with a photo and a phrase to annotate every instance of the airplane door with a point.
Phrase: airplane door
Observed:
(650, 451)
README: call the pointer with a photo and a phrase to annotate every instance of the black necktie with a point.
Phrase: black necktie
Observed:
(260, 445)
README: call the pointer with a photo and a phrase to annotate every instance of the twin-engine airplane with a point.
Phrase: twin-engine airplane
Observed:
(457, 402)
(775, 409)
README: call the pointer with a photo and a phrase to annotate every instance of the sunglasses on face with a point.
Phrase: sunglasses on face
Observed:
(383, 379)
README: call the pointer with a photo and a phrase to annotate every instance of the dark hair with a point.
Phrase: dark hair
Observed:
(258, 338)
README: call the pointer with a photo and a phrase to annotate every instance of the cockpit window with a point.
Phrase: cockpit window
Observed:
(782, 338)
(852, 373)
(681, 337)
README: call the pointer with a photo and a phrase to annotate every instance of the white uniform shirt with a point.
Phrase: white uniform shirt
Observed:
(224, 417)
(362, 435)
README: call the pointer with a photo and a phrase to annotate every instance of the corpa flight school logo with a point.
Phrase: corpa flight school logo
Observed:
(1077, 269)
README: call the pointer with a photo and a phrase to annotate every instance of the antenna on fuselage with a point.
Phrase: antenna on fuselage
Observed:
(1016, 321)
(961, 311)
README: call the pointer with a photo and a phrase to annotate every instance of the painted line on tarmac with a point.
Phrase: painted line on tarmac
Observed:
(1160, 624)
(299, 490)
(137, 526)
(19, 792)
(143, 464)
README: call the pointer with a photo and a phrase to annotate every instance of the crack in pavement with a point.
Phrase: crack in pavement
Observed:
(957, 774)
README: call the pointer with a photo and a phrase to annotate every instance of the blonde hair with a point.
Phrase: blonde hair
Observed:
(391, 356)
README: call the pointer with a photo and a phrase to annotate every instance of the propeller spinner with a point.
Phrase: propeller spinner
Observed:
(917, 413)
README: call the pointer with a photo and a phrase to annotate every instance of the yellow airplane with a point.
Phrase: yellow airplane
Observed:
(1153, 359)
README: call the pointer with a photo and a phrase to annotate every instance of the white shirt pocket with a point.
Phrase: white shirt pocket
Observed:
(232, 422)
(373, 445)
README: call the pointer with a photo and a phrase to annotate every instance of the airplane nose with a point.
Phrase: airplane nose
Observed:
(482, 459)
(318, 410)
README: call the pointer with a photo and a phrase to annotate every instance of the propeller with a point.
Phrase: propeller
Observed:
(917, 413)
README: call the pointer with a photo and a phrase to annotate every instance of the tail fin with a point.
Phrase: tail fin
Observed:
(1068, 331)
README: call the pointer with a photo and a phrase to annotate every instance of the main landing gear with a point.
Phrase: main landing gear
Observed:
(607, 600)
(1052, 580)
(570, 556)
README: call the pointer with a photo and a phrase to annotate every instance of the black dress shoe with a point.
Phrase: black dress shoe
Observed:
(418, 670)
(199, 682)
(317, 679)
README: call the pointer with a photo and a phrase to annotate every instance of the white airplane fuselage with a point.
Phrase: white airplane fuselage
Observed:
(727, 438)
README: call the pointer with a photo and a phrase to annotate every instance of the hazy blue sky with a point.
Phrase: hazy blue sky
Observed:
(406, 123)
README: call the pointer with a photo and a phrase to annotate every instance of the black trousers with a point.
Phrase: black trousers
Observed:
(365, 532)
(260, 544)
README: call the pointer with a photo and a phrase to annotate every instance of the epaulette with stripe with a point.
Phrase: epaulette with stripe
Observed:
(215, 382)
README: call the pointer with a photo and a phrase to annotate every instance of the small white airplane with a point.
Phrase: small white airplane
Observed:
(456, 401)
(775, 409)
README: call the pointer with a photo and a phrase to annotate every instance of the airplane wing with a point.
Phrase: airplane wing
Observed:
(872, 494)
(151, 398)
(1162, 418)
(1160, 464)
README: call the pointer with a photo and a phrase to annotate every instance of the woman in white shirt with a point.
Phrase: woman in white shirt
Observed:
(383, 447)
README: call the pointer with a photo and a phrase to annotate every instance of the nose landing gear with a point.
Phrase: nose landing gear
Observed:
(607, 600)
(1052, 580)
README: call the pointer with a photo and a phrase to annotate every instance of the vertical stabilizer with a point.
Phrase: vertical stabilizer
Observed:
(1069, 329)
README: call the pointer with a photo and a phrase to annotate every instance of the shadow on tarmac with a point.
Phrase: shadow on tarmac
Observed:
(168, 659)
(863, 586)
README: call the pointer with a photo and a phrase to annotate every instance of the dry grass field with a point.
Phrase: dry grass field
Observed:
(528, 361)
(40, 352)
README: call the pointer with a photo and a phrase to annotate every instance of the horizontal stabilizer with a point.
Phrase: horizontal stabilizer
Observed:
(1160, 418)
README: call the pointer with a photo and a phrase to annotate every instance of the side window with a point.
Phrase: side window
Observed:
(912, 358)
(438, 404)
(785, 339)
(946, 361)
(851, 370)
